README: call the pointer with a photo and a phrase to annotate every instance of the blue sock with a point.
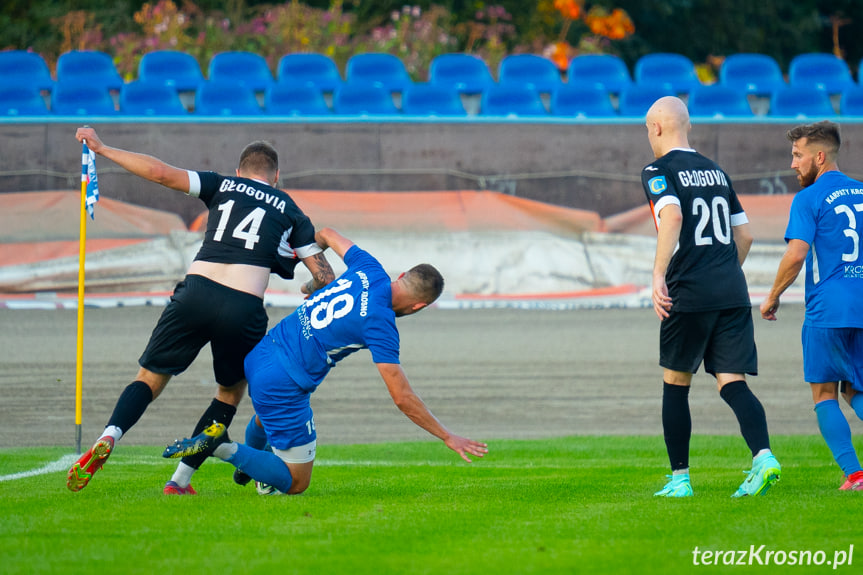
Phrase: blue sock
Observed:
(256, 437)
(856, 404)
(837, 433)
(263, 466)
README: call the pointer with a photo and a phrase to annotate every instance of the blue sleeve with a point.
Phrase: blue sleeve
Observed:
(801, 222)
(382, 338)
(356, 257)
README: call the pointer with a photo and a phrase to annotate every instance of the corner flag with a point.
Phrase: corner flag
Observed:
(89, 179)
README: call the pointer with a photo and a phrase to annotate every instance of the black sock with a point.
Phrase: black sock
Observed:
(750, 414)
(676, 424)
(131, 405)
(217, 411)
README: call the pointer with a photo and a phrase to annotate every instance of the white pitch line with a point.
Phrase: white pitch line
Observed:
(66, 461)
(61, 464)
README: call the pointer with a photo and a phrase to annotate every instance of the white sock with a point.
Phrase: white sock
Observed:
(681, 472)
(760, 453)
(114, 432)
(225, 450)
(183, 475)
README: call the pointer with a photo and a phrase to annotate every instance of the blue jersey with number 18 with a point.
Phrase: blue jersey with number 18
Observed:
(351, 313)
(828, 215)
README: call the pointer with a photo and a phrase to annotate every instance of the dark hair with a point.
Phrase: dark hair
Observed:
(259, 158)
(425, 282)
(824, 132)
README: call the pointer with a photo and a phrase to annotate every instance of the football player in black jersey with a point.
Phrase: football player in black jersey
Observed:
(253, 229)
(700, 295)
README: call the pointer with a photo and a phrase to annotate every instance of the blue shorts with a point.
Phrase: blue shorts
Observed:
(833, 354)
(281, 405)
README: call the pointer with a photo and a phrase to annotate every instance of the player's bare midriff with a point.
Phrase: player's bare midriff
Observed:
(241, 277)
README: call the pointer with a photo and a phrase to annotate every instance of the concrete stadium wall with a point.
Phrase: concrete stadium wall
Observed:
(587, 165)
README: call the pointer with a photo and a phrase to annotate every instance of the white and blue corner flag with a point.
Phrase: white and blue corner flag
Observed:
(89, 179)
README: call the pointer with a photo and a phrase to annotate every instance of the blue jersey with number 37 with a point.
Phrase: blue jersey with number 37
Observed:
(351, 313)
(828, 215)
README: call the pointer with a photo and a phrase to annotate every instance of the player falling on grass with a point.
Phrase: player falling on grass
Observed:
(356, 311)
(700, 295)
(252, 228)
(823, 233)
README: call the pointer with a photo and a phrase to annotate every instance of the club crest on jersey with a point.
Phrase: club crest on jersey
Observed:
(657, 185)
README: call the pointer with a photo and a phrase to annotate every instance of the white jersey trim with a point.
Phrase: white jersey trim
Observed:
(739, 219)
(194, 184)
(308, 251)
(663, 202)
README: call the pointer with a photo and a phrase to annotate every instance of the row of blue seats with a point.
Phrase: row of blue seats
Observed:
(757, 74)
(418, 99)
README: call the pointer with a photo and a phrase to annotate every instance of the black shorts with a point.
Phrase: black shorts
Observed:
(723, 339)
(202, 311)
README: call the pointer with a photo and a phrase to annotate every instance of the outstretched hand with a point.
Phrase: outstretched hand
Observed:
(464, 446)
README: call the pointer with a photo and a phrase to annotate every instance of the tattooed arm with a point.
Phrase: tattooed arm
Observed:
(322, 273)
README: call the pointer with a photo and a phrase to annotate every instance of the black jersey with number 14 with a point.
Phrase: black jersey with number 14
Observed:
(704, 273)
(252, 223)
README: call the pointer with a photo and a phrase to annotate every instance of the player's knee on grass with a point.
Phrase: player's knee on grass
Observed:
(300, 461)
(302, 477)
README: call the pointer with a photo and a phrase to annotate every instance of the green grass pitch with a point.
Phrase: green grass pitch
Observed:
(567, 505)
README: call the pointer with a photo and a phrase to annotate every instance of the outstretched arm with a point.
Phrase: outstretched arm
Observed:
(789, 268)
(142, 165)
(330, 238)
(411, 405)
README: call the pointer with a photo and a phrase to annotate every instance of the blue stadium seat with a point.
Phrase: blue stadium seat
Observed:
(606, 69)
(851, 102)
(718, 100)
(215, 98)
(757, 74)
(510, 100)
(75, 99)
(384, 69)
(88, 67)
(141, 98)
(582, 100)
(24, 68)
(637, 99)
(529, 70)
(675, 70)
(246, 68)
(176, 69)
(315, 69)
(18, 100)
(295, 100)
(797, 101)
(818, 70)
(432, 100)
(363, 99)
(467, 73)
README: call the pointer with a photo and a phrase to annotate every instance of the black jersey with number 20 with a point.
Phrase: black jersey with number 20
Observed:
(704, 273)
(252, 223)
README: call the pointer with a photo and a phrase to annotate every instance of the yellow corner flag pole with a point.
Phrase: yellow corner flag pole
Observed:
(79, 355)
